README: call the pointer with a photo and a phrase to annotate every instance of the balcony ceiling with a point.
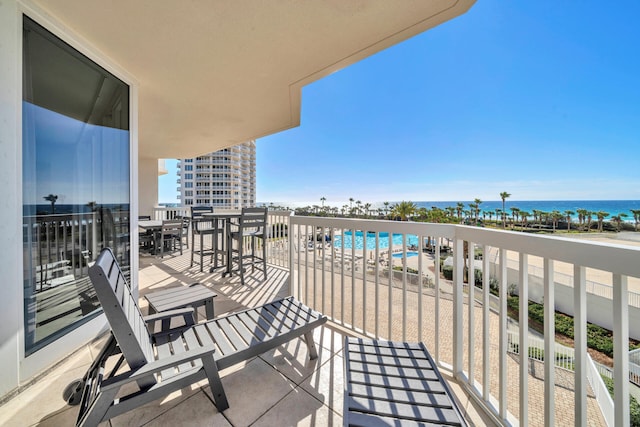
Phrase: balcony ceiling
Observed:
(212, 74)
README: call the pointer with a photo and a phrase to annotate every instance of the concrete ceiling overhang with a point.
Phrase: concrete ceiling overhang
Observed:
(212, 74)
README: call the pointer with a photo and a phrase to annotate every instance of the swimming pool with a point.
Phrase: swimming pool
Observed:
(371, 240)
(409, 254)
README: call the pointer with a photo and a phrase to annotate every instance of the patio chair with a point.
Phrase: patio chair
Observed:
(160, 359)
(169, 236)
(202, 227)
(186, 223)
(146, 239)
(252, 226)
(114, 234)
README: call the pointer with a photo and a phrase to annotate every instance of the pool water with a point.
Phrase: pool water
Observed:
(371, 240)
(409, 254)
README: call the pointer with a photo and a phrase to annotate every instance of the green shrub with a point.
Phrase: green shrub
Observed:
(447, 272)
(598, 338)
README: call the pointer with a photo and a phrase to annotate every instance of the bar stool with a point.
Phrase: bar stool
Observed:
(252, 226)
(201, 226)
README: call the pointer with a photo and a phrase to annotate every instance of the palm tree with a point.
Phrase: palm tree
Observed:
(450, 211)
(366, 207)
(350, 202)
(588, 216)
(536, 216)
(568, 215)
(504, 196)
(514, 214)
(618, 221)
(622, 217)
(459, 209)
(323, 199)
(404, 210)
(52, 198)
(601, 216)
(358, 203)
(582, 215)
(555, 217)
(477, 202)
(524, 215)
(386, 207)
(93, 206)
(473, 207)
(636, 217)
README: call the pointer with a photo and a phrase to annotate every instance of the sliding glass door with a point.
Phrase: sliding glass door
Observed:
(76, 181)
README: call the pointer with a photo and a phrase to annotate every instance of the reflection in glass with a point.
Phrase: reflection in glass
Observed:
(76, 181)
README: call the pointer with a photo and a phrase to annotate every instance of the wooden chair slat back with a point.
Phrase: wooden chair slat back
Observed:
(121, 309)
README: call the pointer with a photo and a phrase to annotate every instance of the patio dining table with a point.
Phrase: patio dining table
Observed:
(226, 218)
(150, 224)
(152, 227)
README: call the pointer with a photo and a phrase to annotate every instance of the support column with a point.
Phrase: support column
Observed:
(147, 185)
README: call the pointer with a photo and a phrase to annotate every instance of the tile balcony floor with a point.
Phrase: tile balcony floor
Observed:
(278, 388)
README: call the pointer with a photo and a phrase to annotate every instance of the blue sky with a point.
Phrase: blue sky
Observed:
(539, 99)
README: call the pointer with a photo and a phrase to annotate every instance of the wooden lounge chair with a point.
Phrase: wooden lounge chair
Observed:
(395, 384)
(171, 359)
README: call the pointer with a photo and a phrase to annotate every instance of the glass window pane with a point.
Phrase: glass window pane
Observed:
(76, 181)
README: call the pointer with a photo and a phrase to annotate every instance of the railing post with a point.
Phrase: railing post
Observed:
(580, 340)
(486, 343)
(471, 285)
(621, 350)
(524, 338)
(549, 343)
(458, 296)
(502, 356)
(292, 288)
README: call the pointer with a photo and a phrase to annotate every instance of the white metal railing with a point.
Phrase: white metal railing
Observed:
(278, 242)
(593, 287)
(601, 392)
(161, 213)
(341, 267)
(563, 356)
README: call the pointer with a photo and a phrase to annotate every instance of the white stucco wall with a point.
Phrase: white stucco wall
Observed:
(147, 185)
(599, 309)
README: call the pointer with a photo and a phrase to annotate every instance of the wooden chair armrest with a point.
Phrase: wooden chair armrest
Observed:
(157, 366)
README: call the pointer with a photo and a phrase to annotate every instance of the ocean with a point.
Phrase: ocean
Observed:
(613, 207)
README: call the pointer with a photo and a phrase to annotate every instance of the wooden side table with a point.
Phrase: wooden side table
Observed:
(194, 296)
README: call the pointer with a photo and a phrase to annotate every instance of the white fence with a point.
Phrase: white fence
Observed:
(595, 288)
(161, 213)
(346, 281)
(564, 358)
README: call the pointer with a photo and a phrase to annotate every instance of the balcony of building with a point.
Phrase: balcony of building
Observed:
(378, 279)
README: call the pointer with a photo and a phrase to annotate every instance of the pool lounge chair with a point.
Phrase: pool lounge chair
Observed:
(169, 359)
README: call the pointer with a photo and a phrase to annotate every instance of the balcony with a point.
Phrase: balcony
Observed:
(345, 274)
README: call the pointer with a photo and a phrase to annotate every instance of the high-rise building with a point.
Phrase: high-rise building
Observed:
(222, 179)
